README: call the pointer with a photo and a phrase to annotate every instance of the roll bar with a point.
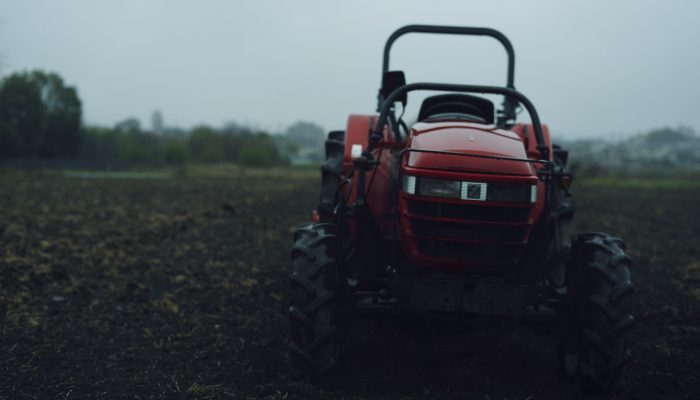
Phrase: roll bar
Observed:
(508, 104)
(376, 133)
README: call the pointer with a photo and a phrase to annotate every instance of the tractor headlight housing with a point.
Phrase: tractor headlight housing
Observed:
(479, 191)
(423, 186)
(438, 188)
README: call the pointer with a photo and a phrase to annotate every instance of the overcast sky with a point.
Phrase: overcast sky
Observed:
(609, 68)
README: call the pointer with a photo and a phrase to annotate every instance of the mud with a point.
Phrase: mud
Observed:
(177, 288)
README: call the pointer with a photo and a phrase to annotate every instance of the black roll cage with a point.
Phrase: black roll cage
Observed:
(509, 105)
(376, 133)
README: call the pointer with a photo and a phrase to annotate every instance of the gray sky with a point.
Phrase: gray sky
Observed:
(591, 67)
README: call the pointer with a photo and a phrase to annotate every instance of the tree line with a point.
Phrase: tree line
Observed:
(201, 144)
(41, 118)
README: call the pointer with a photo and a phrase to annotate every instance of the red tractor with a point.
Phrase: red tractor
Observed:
(466, 212)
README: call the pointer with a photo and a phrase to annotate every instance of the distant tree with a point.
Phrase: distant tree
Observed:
(307, 139)
(291, 148)
(306, 133)
(63, 117)
(252, 156)
(39, 116)
(669, 135)
(130, 124)
(260, 151)
(176, 152)
(100, 143)
(234, 128)
(22, 117)
(138, 146)
(206, 145)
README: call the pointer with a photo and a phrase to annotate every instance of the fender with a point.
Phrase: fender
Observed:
(527, 135)
(378, 181)
(357, 136)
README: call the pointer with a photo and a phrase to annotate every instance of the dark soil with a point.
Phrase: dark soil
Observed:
(177, 288)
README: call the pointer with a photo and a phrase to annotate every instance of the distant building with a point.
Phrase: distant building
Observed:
(157, 122)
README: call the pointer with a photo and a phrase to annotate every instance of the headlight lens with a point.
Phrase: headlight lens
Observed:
(480, 191)
(439, 188)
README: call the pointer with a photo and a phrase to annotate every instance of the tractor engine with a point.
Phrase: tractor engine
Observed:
(457, 214)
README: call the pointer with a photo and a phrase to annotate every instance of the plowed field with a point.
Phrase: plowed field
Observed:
(177, 288)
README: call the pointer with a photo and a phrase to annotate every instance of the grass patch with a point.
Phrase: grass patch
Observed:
(228, 170)
(115, 175)
(643, 183)
(221, 170)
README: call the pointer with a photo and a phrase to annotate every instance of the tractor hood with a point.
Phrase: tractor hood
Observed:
(467, 138)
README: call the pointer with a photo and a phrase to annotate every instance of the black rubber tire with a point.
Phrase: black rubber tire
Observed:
(314, 312)
(331, 174)
(595, 350)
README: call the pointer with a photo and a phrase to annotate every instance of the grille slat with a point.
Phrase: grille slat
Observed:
(468, 232)
(493, 243)
(469, 211)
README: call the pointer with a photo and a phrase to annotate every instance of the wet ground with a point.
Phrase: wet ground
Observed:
(177, 288)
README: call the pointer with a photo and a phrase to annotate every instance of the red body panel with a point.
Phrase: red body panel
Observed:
(468, 138)
(531, 141)
(459, 137)
(377, 185)
(356, 133)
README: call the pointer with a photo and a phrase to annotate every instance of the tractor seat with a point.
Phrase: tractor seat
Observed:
(457, 106)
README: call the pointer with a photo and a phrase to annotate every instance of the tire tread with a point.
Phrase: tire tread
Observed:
(600, 301)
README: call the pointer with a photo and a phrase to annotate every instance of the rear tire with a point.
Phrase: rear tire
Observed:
(595, 349)
(314, 312)
(331, 174)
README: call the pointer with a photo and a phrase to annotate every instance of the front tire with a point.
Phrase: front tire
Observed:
(314, 312)
(595, 350)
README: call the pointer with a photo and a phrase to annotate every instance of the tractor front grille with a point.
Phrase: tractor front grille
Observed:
(468, 212)
(450, 230)
(477, 234)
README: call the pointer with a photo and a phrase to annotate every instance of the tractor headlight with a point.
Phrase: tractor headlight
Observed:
(481, 191)
(439, 188)
(432, 187)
